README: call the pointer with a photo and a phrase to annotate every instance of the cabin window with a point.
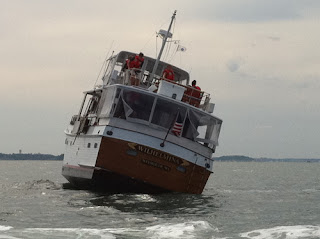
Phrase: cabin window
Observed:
(202, 128)
(89, 145)
(166, 112)
(134, 106)
(109, 70)
(119, 111)
(107, 98)
(189, 130)
(116, 76)
(139, 105)
(93, 104)
(95, 145)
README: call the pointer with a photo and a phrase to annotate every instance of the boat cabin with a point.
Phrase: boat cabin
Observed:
(152, 112)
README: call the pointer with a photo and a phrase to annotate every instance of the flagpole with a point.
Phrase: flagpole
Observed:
(174, 120)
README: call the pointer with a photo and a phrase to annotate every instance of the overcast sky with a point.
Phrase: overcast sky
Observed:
(260, 60)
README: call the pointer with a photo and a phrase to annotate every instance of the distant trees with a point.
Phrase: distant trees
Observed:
(30, 157)
(238, 158)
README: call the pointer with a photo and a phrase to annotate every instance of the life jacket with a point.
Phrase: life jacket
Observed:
(138, 61)
(130, 64)
(168, 74)
(196, 93)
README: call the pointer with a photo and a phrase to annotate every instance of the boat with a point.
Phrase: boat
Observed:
(151, 136)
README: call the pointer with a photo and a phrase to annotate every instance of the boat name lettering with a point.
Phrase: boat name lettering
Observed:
(159, 154)
(156, 165)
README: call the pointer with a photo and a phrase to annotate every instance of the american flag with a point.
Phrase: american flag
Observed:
(177, 127)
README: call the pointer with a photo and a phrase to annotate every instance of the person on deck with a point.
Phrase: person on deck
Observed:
(127, 68)
(196, 94)
(168, 73)
(137, 63)
(139, 59)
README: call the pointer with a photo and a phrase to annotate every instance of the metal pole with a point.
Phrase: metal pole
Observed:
(162, 47)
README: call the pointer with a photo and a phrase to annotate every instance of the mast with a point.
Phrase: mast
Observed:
(164, 41)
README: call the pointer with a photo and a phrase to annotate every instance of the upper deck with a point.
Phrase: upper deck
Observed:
(154, 106)
(142, 77)
(116, 62)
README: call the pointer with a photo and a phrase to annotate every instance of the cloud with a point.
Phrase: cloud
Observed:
(307, 82)
(264, 127)
(273, 38)
(233, 65)
(257, 11)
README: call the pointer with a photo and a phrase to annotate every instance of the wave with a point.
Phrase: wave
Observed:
(179, 230)
(5, 228)
(186, 230)
(32, 185)
(8, 237)
(284, 232)
(237, 191)
(42, 184)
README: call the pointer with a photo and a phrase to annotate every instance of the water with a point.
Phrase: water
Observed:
(241, 200)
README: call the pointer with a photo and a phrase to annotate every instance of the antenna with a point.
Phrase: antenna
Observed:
(165, 35)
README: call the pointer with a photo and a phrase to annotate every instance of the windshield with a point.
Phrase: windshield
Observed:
(157, 112)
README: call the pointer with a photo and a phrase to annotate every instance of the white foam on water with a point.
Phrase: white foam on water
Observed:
(180, 230)
(221, 237)
(95, 207)
(284, 232)
(8, 237)
(74, 232)
(98, 209)
(5, 228)
(83, 233)
(186, 230)
(145, 198)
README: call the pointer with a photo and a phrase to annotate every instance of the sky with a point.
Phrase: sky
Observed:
(259, 60)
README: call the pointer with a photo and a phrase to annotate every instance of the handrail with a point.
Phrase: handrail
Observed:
(192, 96)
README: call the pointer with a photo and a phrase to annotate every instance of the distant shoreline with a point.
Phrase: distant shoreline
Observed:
(240, 158)
(30, 157)
(230, 158)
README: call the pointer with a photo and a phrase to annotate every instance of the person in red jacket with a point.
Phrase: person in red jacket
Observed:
(127, 69)
(196, 94)
(132, 68)
(136, 65)
(168, 73)
(139, 59)
(129, 63)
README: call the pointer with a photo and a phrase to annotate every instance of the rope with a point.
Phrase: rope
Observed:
(168, 48)
(173, 54)
(104, 63)
(152, 35)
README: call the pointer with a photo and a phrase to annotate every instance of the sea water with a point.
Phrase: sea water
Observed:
(241, 200)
